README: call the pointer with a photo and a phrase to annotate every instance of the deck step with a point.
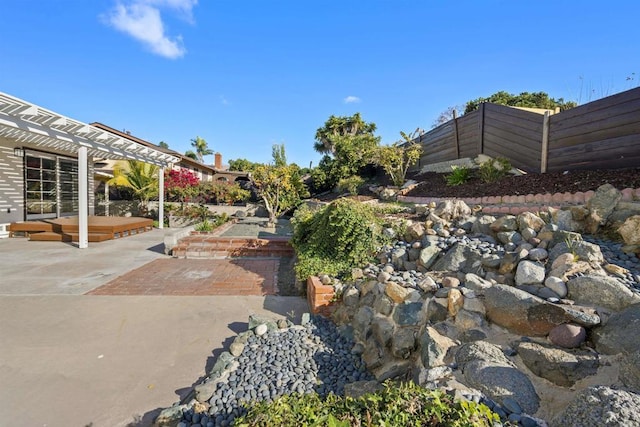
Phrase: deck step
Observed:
(51, 236)
(29, 227)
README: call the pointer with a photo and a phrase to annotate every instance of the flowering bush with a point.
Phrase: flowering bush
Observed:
(181, 185)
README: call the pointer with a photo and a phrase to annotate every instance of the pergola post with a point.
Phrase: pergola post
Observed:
(83, 199)
(161, 197)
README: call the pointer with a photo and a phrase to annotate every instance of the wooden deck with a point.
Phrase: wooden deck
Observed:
(101, 228)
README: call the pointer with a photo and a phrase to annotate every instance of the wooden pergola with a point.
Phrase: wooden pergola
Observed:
(34, 127)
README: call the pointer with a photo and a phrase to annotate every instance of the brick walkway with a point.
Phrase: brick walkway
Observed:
(238, 276)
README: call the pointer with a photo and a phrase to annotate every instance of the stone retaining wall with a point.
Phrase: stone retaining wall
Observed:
(525, 203)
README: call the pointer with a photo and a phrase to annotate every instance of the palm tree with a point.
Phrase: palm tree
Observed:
(202, 149)
(141, 178)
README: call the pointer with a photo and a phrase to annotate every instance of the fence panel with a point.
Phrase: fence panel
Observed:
(438, 145)
(513, 134)
(602, 134)
(469, 134)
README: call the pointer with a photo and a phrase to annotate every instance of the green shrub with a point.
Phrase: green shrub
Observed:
(493, 170)
(204, 226)
(395, 405)
(333, 239)
(350, 185)
(458, 176)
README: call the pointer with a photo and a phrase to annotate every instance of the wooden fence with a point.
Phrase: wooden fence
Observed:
(603, 134)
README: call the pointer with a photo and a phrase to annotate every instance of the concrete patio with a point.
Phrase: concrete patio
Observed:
(68, 359)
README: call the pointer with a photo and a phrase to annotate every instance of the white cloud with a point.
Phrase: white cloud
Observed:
(351, 99)
(141, 20)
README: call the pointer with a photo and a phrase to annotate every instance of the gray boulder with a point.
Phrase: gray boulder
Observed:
(382, 330)
(482, 225)
(486, 368)
(601, 291)
(409, 314)
(529, 220)
(568, 335)
(600, 406)
(561, 367)
(525, 314)
(620, 334)
(434, 348)
(428, 256)
(504, 223)
(452, 210)
(630, 371)
(529, 273)
(403, 342)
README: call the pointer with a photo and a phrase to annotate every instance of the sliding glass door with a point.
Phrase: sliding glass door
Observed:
(51, 185)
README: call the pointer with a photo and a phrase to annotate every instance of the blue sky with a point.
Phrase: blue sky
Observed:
(245, 75)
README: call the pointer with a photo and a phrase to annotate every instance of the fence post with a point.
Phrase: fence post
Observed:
(481, 125)
(544, 153)
(455, 133)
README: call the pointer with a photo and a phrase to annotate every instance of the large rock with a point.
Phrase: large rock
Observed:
(382, 329)
(434, 348)
(482, 225)
(529, 220)
(630, 371)
(568, 335)
(428, 256)
(529, 273)
(459, 258)
(362, 321)
(601, 291)
(600, 406)
(403, 342)
(620, 334)
(561, 367)
(505, 223)
(396, 292)
(630, 230)
(414, 231)
(486, 368)
(522, 313)
(581, 250)
(452, 210)
(601, 205)
(409, 314)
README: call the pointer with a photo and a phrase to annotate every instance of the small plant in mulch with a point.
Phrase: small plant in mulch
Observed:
(395, 405)
(458, 176)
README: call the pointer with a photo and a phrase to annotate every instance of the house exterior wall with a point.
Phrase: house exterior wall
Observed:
(11, 183)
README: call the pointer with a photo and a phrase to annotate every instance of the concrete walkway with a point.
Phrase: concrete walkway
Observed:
(68, 359)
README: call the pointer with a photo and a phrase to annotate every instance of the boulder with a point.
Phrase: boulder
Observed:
(561, 367)
(434, 348)
(601, 291)
(396, 292)
(486, 368)
(630, 230)
(529, 273)
(351, 296)
(630, 371)
(382, 329)
(455, 301)
(600, 206)
(504, 223)
(403, 342)
(522, 313)
(620, 334)
(455, 259)
(409, 314)
(529, 220)
(557, 285)
(415, 231)
(482, 225)
(568, 335)
(428, 256)
(600, 406)
(452, 210)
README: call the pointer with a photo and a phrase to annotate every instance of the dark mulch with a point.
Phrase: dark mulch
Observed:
(434, 184)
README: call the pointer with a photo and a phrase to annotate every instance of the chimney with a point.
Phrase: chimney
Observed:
(218, 161)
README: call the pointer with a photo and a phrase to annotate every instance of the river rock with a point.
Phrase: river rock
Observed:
(600, 406)
(557, 285)
(568, 335)
(601, 291)
(561, 367)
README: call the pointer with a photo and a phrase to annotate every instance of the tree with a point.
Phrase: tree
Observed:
(397, 158)
(446, 115)
(163, 144)
(279, 186)
(348, 144)
(141, 178)
(201, 149)
(525, 99)
(181, 185)
(243, 165)
(340, 126)
(279, 157)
